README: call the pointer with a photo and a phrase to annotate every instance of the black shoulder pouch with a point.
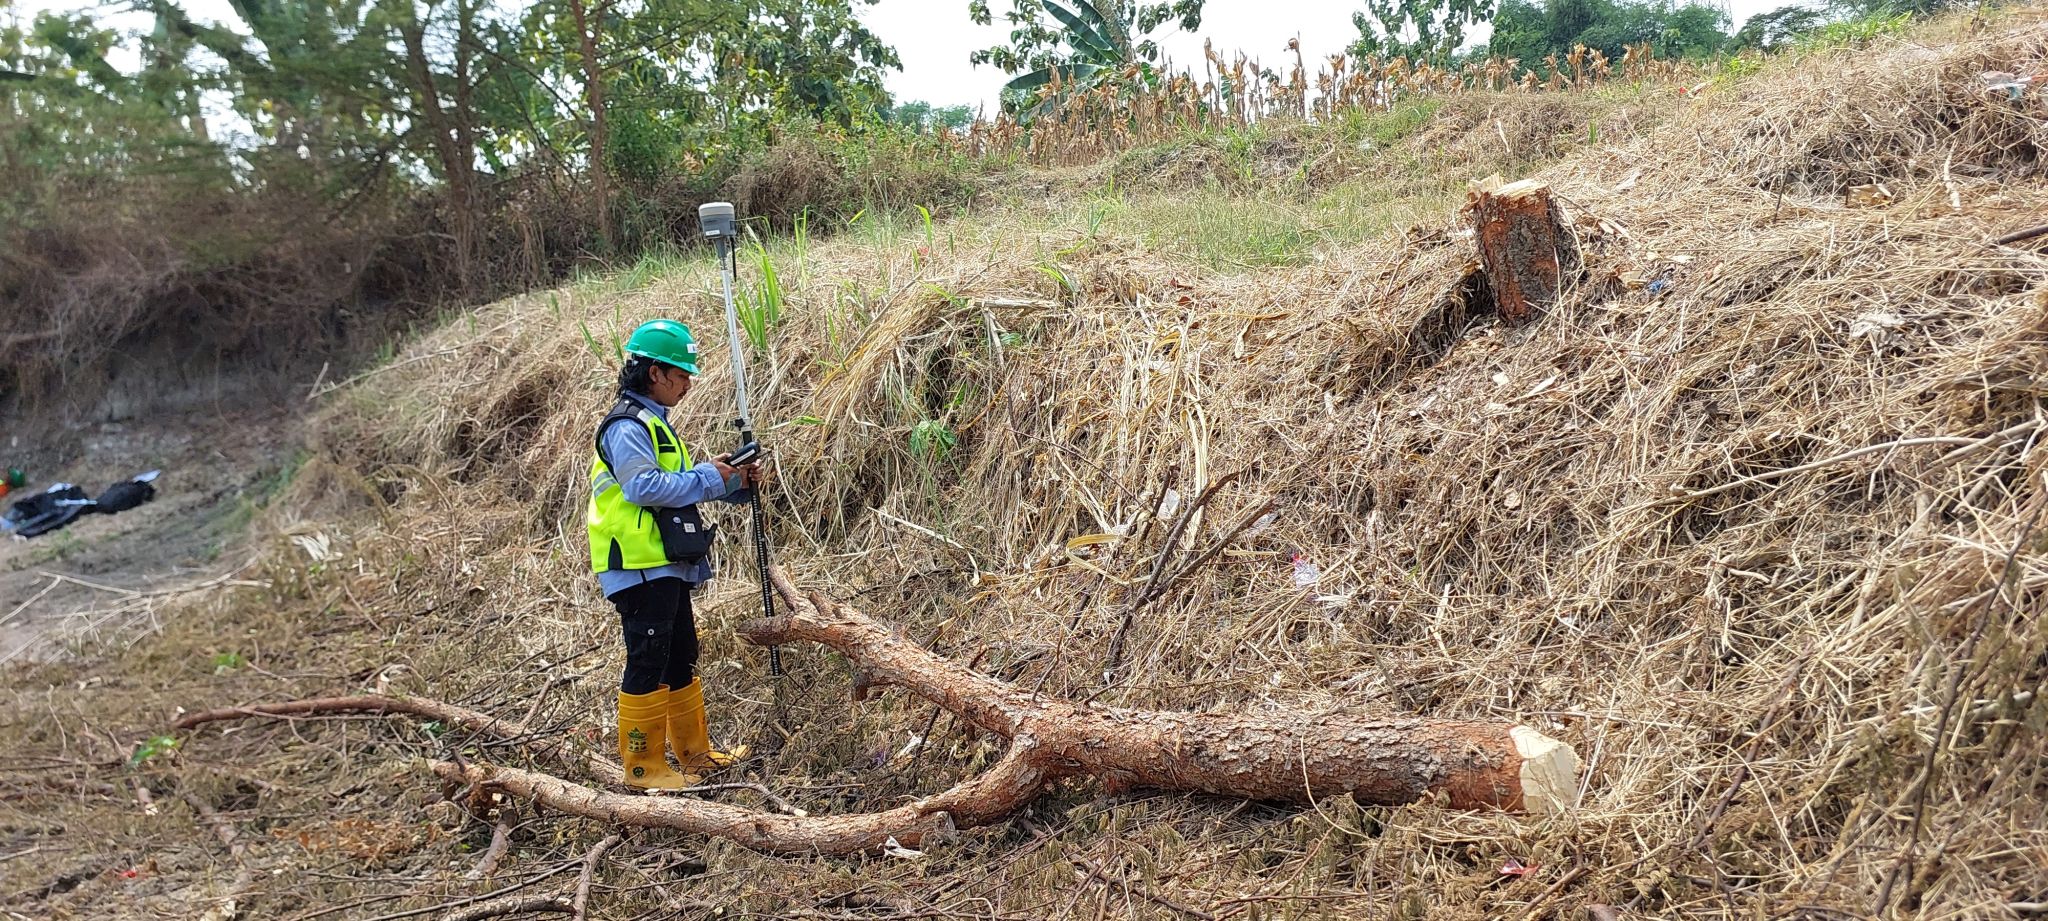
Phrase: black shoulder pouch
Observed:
(685, 535)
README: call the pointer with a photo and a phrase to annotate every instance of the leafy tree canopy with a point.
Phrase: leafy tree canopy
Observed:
(1530, 32)
(1416, 29)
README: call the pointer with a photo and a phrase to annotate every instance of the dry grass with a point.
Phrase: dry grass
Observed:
(1069, 125)
(1751, 520)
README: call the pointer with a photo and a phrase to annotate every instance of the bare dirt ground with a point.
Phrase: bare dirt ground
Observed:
(103, 576)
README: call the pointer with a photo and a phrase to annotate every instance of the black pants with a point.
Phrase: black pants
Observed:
(661, 635)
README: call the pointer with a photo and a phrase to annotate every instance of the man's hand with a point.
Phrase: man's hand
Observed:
(725, 470)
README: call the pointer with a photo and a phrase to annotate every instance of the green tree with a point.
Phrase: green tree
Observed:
(1769, 31)
(1520, 31)
(351, 99)
(1530, 34)
(1429, 30)
(926, 118)
(65, 112)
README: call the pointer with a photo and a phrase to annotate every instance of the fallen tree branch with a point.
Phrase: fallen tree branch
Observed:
(580, 906)
(993, 794)
(230, 904)
(509, 905)
(501, 842)
(1285, 756)
(480, 724)
(1290, 757)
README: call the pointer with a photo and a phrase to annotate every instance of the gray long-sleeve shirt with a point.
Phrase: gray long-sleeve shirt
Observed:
(644, 483)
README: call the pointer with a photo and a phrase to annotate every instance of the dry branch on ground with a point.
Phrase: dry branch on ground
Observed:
(1286, 756)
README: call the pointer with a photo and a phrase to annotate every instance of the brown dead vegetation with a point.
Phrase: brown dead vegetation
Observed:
(1750, 517)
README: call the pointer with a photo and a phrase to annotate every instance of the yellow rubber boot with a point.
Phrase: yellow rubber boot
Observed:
(689, 735)
(643, 728)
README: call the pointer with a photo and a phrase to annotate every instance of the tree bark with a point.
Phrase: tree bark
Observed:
(588, 21)
(1526, 250)
(453, 144)
(1287, 756)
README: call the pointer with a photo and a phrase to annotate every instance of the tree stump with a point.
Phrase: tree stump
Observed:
(1524, 247)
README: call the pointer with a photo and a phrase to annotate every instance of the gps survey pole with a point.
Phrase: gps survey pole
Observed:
(723, 232)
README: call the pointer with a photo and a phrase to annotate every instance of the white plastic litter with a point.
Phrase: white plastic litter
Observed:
(1305, 573)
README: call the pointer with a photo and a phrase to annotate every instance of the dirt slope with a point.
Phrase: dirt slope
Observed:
(83, 582)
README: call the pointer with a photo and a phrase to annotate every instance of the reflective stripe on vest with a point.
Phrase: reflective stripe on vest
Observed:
(622, 535)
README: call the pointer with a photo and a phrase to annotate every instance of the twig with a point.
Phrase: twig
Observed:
(32, 600)
(318, 379)
(1770, 719)
(934, 535)
(1229, 536)
(509, 905)
(373, 372)
(1764, 726)
(1931, 764)
(2019, 235)
(539, 697)
(225, 578)
(933, 721)
(581, 904)
(1823, 462)
(501, 842)
(1538, 911)
(221, 829)
(1180, 525)
(1146, 594)
(378, 705)
(231, 840)
(458, 903)
(1086, 870)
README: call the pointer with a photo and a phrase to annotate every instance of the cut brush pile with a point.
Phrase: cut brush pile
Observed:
(1753, 518)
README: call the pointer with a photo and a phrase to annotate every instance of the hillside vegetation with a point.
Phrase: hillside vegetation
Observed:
(1751, 518)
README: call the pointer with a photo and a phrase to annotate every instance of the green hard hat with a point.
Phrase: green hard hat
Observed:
(665, 341)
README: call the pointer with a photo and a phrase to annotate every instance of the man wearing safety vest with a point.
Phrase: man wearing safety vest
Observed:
(651, 549)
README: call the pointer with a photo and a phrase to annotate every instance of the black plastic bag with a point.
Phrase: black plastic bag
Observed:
(123, 496)
(48, 510)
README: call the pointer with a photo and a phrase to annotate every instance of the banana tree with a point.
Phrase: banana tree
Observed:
(1102, 39)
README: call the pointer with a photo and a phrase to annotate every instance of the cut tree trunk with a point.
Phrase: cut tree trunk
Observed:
(1524, 247)
(1288, 756)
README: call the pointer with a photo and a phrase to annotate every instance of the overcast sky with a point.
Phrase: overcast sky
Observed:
(934, 37)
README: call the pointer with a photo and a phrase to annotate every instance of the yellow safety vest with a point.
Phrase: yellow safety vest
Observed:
(623, 535)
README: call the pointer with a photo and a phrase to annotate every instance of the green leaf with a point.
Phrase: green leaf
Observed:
(151, 748)
(1095, 17)
(1069, 73)
(932, 439)
(1083, 36)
